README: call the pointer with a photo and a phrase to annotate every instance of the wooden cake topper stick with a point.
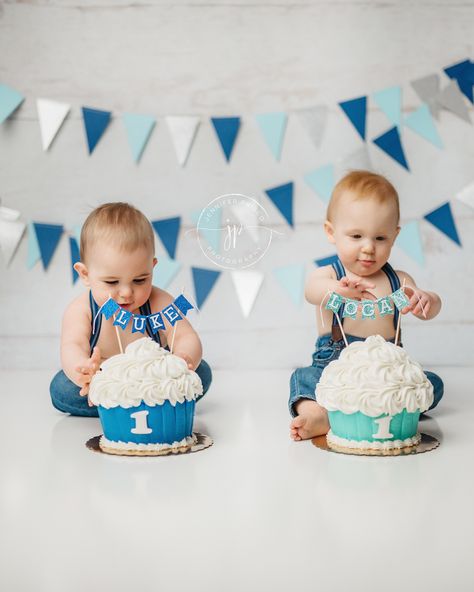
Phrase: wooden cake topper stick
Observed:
(397, 333)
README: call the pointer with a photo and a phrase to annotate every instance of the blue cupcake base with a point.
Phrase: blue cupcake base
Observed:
(160, 424)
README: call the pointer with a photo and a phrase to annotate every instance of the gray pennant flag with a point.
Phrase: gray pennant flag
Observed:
(427, 88)
(357, 160)
(314, 119)
(452, 99)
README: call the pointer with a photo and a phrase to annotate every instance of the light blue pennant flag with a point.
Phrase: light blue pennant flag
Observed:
(76, 231)
(421, 122)
(74, 248)
(122, 319)
(321, 181)
(156, 322)
(209, 227)
(109, 308)
(139, 323)
(409, 240)
(356, 111)
(171, 314)
(95, 122)
(204, 280)
(34, 254)
(165, 271)
(291, 279)
(226, 129)
(282, 197)
(390, 102)
(48, 236)
(183, 304)
(168, 230)
(10, 99)
(391, 144)
(442, 219)
(272, 126)
(139, 128)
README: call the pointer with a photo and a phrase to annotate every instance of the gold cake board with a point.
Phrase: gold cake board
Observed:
(426, 444)
(202, 441)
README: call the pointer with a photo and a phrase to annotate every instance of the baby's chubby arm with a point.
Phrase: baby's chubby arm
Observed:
(76, 361)
(423, 305)
(187, 344)
(323, 281)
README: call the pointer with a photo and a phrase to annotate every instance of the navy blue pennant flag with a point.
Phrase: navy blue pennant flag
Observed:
(48, 236)
(463, 73)
(443, 219)
(183, 304)
(95, 122)
(356, 111)
(391, 144)
(75, 257)
(204, 280)
(226, 129)
(168, 230)
(282, 197)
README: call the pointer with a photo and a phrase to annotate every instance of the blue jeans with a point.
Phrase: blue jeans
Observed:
(66, 398)
(303, 381)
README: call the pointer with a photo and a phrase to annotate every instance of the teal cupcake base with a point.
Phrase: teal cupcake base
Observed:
(357, 430)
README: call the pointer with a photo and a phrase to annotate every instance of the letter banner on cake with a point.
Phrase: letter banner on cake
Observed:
(173, 313)
(367, 307)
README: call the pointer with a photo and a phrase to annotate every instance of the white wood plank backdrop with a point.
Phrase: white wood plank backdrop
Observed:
(227, 58)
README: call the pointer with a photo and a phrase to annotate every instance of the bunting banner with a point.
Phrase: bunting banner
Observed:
(10, 100)
(391, 144)
(321, 181)
(409, 240)
(48, 236)
(247, 284)
(209, 229)
(356, 111)
(272, 126)
(389, 101)
(463, 73)
(226, 129)
(165, 271)
(291, 279)
(11, 232)
(172, 313)
(428, 89)
(452, 99)
(421, 122)
(139, 128)
(75, 258)
(466, 195)
(368, 308)
(51, 116)
(204, 280)
(442, 218)
(282, 198)
(314, 120)
(183, 131)
(168, 231)
(95, 123)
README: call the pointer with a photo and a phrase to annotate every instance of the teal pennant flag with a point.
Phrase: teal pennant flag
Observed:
(421, 122)
(389, 101)
(321, 181)
(272, 126)
(139, 128)
(291, 279)
(409, 240)
(165, 271)
(10, 100)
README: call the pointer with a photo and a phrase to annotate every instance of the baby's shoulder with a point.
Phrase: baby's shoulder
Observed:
(403, 276)
(159, 299)
(79, 307)
(326, 271)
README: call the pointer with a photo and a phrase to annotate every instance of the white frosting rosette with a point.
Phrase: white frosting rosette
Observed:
(147, 373)
(374, 377)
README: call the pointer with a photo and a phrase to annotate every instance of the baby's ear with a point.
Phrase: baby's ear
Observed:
(329, 230)
(82, 272)
(155, 261)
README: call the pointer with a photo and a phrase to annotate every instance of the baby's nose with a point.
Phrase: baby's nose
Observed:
(125, 291)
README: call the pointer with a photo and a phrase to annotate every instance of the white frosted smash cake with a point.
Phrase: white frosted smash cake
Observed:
(374, 395)
(146, 398)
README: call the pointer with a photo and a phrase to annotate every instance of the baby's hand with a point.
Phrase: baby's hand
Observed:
(420, 301)
(186, 358)
(356, 289)
(86, 371)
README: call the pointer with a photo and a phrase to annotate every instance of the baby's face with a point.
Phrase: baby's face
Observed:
(363, 231)
(124, 276)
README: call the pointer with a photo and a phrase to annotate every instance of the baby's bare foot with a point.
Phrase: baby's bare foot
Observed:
(311, 421)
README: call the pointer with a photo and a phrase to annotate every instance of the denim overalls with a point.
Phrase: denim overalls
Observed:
(65, 394)
(303, 381)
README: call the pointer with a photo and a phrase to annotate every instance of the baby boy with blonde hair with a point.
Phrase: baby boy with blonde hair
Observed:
(117, 254)
(362, 222)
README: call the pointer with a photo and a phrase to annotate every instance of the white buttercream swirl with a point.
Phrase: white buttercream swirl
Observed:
(147, 373)
(374, 377)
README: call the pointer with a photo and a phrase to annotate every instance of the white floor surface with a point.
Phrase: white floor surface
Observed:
(254, 512)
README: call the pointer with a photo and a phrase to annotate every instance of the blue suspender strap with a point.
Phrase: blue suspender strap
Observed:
(146, 310)
(395, 285)
(340, 273)
(98, 322)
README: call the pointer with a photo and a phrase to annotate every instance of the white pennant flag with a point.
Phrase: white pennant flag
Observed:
(466, 195)
(314, 121)
(247, 285)
(183, 131)
(248, 217)
(51, 115)
(11, 231)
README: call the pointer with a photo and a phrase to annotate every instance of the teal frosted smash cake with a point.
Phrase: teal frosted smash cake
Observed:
(145, 398)
(374, 395)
